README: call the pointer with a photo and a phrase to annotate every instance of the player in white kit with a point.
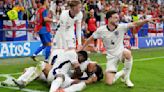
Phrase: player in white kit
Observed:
(65, 37)
(58, 74)
(65, 61)
(112, 36)
(92, 73)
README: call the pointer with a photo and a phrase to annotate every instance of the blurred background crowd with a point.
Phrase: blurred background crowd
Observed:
(127, 8)
(93, 11)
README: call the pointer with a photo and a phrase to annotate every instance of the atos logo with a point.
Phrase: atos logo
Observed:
(11, 49)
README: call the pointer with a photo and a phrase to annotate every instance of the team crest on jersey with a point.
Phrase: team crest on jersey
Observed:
(61, 22)
(68, 25)
(116, 33)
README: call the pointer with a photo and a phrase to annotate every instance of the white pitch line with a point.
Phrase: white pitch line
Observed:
(24, 89)
(145, 59)
(17, 88)
(11, 74)
(141, 59)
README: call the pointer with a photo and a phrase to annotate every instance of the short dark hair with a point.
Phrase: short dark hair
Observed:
(42, 1)
(58, 1)
(84, 54)
(110, 13)
(99, 72)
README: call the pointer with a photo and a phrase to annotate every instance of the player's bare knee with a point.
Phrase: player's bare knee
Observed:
(127, 54)
(109, 76)
(109, 82)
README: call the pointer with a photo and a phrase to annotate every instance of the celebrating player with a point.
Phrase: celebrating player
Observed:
(65, 36)
(58, 73)
(112, 35)
(93, 73)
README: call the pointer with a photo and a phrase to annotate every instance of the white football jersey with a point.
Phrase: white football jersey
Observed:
(83, 65)
(112, 40)
(63, 60)
(67, 23)
(66, 29)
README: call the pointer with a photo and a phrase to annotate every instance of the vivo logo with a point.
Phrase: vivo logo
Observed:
(154, 42)
(14, 49)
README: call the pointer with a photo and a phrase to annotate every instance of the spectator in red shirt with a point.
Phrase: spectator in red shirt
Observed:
(91, 24)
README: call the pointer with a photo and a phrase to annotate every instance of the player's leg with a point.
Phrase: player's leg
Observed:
(47, 52)
(56, 83)
(37, 52)
(40, 48)
(57, 41)
(71, 43)
(30, 74)
(47, 42)
(75, 87)
(111, 69)
(8, 81)
(128, 62)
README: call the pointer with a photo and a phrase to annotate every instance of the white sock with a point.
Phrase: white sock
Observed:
(118, 75)
(42, 77)
(26, 75)
(32, 73)
(75, 87)
(37, 72)
(56, 84)
(127, 68)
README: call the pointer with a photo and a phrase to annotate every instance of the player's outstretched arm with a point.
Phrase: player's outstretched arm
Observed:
(91, 80)
(141, 22)
(87, 42)
(162, 19)
(78, 28)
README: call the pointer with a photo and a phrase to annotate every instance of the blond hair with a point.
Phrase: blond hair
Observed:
(73, 3)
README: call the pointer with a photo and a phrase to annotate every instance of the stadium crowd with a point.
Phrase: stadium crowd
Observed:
(93, 14)
(129, 10)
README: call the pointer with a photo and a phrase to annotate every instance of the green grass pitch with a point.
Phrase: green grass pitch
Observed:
(147, 73)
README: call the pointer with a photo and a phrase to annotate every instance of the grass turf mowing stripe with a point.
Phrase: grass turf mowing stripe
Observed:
(142, 59)
(17, 88)
(24, 89)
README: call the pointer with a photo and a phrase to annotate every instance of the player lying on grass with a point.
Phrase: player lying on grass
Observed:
(92, 74)
(64, 62)
(49, 72)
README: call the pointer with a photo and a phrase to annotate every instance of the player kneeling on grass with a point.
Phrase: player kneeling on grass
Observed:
(63, 63)
(112, 36)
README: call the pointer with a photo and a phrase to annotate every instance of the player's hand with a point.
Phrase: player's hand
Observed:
(76, 81)
(161, 19)
(55, 20)
(34, 34)
(60, 90)
(152, 20)
(79, 48)
(87, 31)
